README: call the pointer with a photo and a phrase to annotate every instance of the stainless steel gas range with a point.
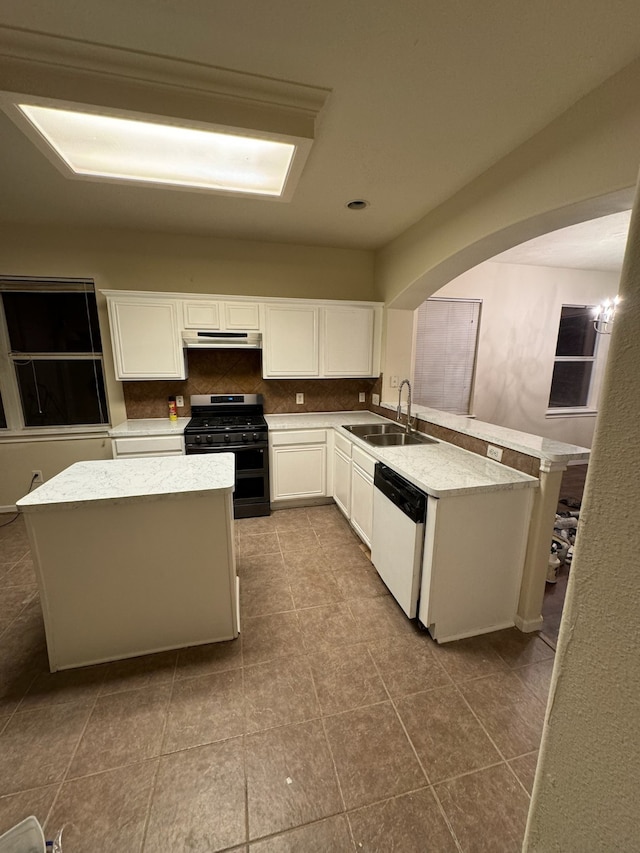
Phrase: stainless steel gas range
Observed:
(234, 423)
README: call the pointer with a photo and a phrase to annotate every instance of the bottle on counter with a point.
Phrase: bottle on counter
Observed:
(173, 409)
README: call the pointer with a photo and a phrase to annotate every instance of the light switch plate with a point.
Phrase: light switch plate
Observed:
(299, 399)
(394, 381)
(375, 399)
(179, 402)
(362, 397)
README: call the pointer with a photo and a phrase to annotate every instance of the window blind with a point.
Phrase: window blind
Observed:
(446, 341)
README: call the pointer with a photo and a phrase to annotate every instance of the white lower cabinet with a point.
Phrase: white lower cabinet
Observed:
(147, 445)
(362, 468)
(342, 474)
(298, 464)
(353, 485)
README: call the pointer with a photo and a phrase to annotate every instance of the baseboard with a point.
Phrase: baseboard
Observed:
(8, 508)
(528, 625)
(298, 503)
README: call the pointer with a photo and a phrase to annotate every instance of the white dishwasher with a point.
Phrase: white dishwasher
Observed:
(399, 512)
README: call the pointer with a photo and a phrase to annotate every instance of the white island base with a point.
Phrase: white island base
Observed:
(134, 573)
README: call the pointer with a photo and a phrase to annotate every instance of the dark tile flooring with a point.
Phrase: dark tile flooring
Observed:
(332, 725)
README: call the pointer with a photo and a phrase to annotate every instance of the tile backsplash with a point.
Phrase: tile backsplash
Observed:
(240, 372)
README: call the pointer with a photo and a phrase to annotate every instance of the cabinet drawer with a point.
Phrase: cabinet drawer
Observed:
(311, 436)
(151, 445)
(343, 444)
(364, 461)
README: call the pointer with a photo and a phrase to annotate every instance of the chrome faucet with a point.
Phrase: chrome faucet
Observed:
(399, 411)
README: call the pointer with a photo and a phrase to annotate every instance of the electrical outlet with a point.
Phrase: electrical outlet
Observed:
(375, 399)
(180, 402)
(494, 453)
(299, 399)
(36, 478)
(362, 397)
(394, 381)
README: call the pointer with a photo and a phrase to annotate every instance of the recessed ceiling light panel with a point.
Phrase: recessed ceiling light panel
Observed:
(100, 146)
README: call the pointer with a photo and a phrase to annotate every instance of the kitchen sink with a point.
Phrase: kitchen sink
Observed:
(398, 439)
(362, 430)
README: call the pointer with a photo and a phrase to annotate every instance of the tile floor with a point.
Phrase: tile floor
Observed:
(332, 725)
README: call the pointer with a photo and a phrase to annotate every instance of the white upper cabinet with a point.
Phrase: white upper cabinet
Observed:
(216, 315)
(146, 338)
(300, 338)
(319, 340)
(290, 344)
(241, 316)
(201, 314)
(347, 337)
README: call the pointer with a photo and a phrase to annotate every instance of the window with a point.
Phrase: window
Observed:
(53, 373)
(574, 367)
(445, 354)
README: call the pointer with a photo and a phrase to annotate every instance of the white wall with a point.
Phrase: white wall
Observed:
(518, 331)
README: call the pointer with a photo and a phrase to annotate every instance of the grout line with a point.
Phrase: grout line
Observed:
(415, 752)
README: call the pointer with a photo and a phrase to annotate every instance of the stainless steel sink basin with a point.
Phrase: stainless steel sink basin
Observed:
(362, 430)
(398, 439)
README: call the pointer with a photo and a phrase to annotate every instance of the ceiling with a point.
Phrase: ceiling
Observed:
(595, 245)
(424, 97)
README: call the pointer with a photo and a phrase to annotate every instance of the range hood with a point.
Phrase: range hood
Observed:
(222, 340)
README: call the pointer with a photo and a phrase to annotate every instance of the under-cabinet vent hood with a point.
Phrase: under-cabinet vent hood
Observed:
(222, 340)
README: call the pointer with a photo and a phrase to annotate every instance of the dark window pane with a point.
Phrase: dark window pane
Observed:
(3, 419)
(576, 335)
(57, 393)
(52, 322)
(570, 384)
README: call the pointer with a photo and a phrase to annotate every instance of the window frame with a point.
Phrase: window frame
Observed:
(595, 380)
(9, 385)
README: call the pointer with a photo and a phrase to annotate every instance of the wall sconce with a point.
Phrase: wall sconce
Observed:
(604, 314)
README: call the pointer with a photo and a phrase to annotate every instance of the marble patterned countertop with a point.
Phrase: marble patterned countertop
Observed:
(439, 469)
(524, 442)
(136, 427)
(117, 481)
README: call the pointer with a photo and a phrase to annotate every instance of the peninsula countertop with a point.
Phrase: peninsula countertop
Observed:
(117, 481)
(440, 469)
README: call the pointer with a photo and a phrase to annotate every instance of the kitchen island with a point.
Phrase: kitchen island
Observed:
(134, 556)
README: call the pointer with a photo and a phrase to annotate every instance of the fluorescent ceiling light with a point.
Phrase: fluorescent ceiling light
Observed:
(123, 149)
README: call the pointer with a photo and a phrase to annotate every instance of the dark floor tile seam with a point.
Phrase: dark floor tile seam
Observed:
(333, 761)
(72, 757)
(282, 832)
(5, 633)
(447, 821)
(427, 787)
(480, 723)
(154, 783)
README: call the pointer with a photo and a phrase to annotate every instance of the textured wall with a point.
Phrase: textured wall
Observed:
(240, 372)
(585, 797)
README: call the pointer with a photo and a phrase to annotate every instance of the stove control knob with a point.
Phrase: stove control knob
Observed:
(256, 436)
(209, 439)
(198, 439)
(227, 437)
(245, 436)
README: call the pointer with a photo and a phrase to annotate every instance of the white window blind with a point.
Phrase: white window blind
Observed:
(446, 339)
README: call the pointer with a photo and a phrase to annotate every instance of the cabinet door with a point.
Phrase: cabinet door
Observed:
(347, 341)
(290, 345)
(145, 335)
(241, 316)
(299, 471)
(202, 314)
(342, 481)
(362, 503)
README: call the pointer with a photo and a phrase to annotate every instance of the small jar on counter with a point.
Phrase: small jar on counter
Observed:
(173, 409)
